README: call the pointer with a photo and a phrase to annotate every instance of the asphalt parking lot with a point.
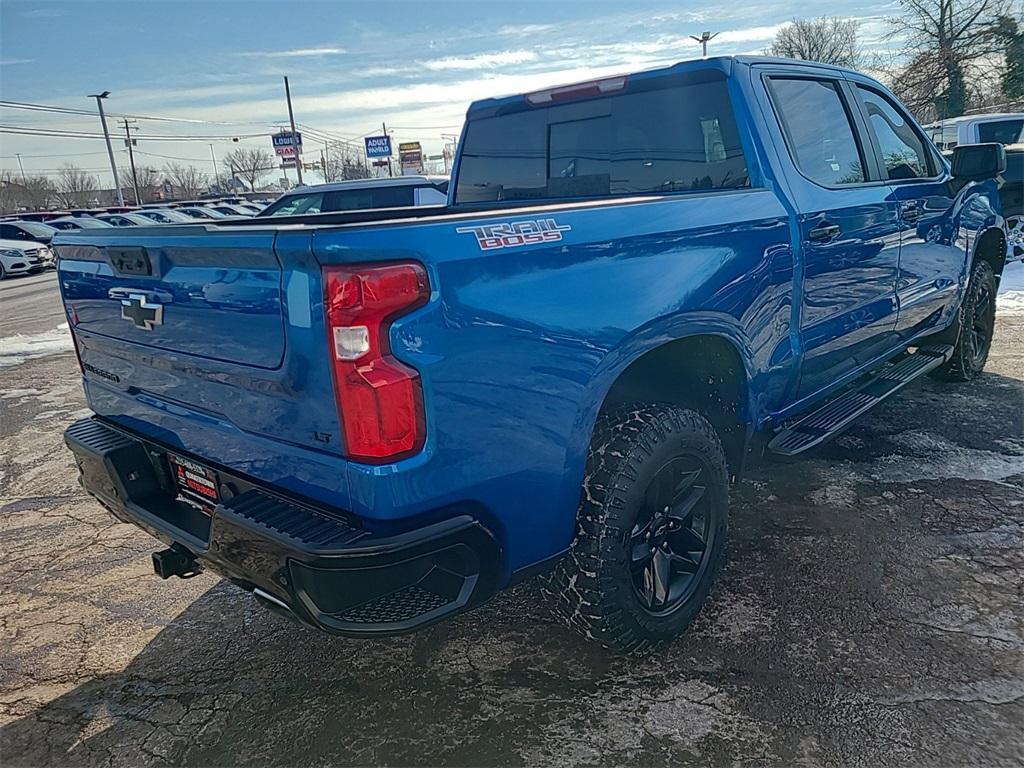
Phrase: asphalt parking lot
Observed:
(871, 613)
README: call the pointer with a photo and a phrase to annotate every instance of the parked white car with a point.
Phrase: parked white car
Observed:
(1002, 128)
(18, 257)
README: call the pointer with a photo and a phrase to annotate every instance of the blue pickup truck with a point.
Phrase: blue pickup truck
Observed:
(374, 420)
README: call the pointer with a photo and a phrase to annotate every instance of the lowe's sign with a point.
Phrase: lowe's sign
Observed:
(378, 146)
(286, 139)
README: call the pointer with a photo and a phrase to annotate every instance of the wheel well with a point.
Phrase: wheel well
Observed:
(704, 373)
(991, 247)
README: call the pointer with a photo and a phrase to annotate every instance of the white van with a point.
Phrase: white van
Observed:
(1003, 128)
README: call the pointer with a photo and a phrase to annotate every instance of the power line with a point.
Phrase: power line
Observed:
(69, 134)
(172, 157)
(47, 157)
(78, 111)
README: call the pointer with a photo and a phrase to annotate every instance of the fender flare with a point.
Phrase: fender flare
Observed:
(631, 348)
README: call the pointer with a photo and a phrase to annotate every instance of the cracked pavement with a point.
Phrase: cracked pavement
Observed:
(870, 614)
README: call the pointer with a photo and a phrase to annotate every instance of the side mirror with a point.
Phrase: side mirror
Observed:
(977, 162)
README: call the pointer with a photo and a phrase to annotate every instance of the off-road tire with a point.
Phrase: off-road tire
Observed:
(978, 306)
(592, 588)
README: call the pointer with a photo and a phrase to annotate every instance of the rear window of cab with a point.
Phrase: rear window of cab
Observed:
(399, 196)
(675, 138)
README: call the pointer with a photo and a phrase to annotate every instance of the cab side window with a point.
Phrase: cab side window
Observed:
(949, 137)
(296, 205)
(818, 130)
(904, 153)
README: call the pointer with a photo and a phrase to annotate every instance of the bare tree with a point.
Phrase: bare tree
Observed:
(830, 40)
(74, 187)
(344, 161)
(34, 193)
(187, 180)
(38, 192)
(8, 193)
(953, 48)
(148, 178)
(250, 164)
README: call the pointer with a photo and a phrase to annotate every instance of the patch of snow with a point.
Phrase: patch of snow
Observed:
(27, 346)
(12, 394)
(1011, 289)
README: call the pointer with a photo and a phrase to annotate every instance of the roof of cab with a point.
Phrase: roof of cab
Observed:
(396, 181)
(979, 118)
(723, 64)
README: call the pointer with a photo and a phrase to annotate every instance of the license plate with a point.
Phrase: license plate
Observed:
(195, 482)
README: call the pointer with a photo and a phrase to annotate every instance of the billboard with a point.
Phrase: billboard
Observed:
(284, 139)
(287, 145)
(378, 146)
(410, 154)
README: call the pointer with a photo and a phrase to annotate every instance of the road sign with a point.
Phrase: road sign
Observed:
(378, 146)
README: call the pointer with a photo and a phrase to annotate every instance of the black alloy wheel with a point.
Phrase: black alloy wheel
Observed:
(674, 533)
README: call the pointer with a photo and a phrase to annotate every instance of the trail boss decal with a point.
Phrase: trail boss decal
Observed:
(516, 233)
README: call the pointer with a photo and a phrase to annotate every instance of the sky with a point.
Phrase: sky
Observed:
(351, 65)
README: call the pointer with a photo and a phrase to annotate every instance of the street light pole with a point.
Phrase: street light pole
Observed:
(291, 119)
(106, 135)
(216, 175)
(704, 39)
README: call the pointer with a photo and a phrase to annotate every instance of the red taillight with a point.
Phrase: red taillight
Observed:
(380, 401)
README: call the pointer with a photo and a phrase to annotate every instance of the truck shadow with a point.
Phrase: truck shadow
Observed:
(802, 616)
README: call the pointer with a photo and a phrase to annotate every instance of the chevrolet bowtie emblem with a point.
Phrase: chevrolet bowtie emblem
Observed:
(141, 311)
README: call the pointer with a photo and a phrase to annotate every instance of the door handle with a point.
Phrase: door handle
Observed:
(823, 232)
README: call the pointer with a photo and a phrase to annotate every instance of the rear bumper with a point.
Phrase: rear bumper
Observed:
(317, 564)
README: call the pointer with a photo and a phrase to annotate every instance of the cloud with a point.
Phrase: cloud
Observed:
(476, 61)
(749, 35)
(524, 30)
(44, 13)
(295, 53)
(11, 62)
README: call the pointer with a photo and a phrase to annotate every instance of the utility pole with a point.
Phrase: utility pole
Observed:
(106, 135)
(22, 167)
(295, 136)
(131, 160)
(323, 161)
(449, 139)
(216, 175)
(385, 129)
(704, 39)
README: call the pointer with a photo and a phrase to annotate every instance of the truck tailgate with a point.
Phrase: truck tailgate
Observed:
(192, 333)
(181, 290)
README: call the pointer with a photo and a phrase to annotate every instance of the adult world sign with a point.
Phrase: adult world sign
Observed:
(378, 146)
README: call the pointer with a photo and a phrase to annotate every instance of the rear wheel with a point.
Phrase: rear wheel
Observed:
(977, 323)
(651, 528)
